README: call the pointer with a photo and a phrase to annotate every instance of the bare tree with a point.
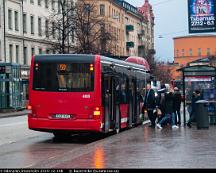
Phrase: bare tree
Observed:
(160, 70)
(79, 28)
(60, 29)
(91, 29)
(163, 72)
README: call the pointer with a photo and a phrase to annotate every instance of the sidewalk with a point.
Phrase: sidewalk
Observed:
(13, 114)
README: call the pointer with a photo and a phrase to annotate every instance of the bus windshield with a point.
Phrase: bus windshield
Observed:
(63, 77)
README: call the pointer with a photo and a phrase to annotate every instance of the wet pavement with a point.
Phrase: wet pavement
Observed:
(143, 147)
(140, 147)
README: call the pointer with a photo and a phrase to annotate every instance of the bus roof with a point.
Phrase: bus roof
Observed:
(85, 58)
(64, 57)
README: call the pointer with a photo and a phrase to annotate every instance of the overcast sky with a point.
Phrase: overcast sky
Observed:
(171, 20)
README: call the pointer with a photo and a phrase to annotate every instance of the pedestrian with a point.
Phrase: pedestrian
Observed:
(150, 104)
(161, 93)
(168, 104)
(195, 98)
(177, 104)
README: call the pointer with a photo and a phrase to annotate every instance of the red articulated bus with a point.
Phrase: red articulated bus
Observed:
(84, 93)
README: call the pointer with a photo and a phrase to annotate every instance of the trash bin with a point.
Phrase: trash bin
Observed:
(201, 112)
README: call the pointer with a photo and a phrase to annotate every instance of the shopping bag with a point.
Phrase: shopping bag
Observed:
(159, 113)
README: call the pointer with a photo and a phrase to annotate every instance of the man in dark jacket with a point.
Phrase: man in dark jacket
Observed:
(161, 94)
(177, 104)
(196, 97)
(168, 104)
(150, 104)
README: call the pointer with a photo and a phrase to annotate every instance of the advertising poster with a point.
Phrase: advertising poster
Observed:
(201, 16)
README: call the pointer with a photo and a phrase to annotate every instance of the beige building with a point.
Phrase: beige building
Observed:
(132, 26)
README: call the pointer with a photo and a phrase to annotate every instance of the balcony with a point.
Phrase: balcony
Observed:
(130, 44)
(129, 28)
(141, 47)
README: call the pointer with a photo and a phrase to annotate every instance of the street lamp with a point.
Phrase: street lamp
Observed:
(160, 36)
(4, 31)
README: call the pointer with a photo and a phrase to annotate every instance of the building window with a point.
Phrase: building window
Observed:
(53, 5)
(208, 51)
(0, 18)
(25, 55)
(59, 7)
(46, 3)
(102, 9)
(190, 52)
(47, 51)
(32, 24)
(16, 21)
(32, 51)
(17, 53)
(59, 34)
(46, 28)
(87, 8)
(40, 51)
(72, 36)
(39, 2)
(11, 52)
(39, 27)
(32, 1)
(0, 51)
(199, 52)
(10, 19)
(53, 29)
(183, 52)
(24, 23)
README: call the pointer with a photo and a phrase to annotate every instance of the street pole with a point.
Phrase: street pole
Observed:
(184, 98)
(23, 32)
(4, 32)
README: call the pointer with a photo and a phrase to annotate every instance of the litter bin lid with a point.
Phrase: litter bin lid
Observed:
(201, 101)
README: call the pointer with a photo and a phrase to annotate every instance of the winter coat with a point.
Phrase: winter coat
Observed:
(177, 100)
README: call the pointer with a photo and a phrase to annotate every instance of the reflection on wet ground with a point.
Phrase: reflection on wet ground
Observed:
(140, 147)
(143, 147)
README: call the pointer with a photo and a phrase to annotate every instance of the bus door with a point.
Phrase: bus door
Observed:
(108, 99)
(132, 102)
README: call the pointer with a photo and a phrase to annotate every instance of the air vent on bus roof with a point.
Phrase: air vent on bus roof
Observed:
(138, 60)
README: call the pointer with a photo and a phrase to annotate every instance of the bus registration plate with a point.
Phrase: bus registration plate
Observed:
(62, 116)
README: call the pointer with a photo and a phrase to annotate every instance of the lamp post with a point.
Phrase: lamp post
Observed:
(4, 31)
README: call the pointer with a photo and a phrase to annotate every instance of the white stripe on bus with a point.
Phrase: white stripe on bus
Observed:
(124, 120)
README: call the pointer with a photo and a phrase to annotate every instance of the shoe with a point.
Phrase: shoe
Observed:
(159, 126)
(189, 125)
(175, 127)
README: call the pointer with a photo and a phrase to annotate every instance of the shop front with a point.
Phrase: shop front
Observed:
(14, 83)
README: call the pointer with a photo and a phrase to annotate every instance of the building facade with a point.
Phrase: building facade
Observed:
(132, 27)
(147, 12)
(191, 48)
(23, 29)
(23, 24)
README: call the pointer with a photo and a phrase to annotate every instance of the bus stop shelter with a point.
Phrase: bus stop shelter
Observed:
(10, 86)
(203, 78)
